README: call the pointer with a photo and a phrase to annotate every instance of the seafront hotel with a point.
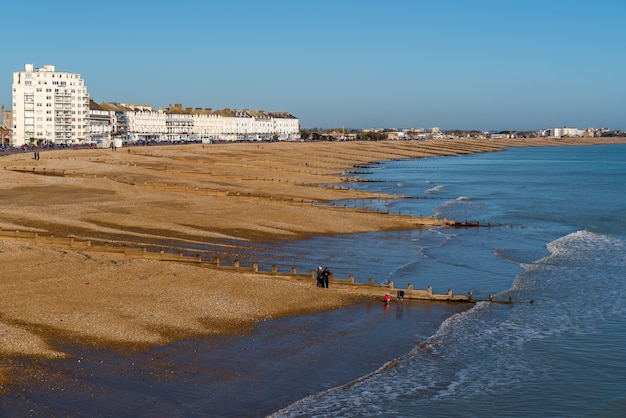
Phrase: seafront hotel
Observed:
(54, 107)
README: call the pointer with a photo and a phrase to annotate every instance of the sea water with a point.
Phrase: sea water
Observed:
(556, 244)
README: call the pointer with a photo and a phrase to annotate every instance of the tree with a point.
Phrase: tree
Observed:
(304, 134)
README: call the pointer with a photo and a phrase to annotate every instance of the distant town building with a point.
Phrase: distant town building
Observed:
(141, 123)
(564, 132)
(6, 126)
(501, 135)
(135, 123)
(49, 106)
(100, 125)
(7, 118)
(5, 136)
(179, 123)
(207, 125)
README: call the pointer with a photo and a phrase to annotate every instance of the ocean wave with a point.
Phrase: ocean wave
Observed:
(492, 348)
(461, 208)
(582, 247)
(436, 189)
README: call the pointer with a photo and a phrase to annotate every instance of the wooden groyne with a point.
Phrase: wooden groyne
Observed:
(417, 221)
(367, 289)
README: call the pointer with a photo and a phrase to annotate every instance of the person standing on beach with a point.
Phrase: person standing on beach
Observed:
(326, 276)
(320, 277)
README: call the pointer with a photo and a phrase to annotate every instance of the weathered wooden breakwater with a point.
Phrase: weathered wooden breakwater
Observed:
(419, 220)
(348, 284)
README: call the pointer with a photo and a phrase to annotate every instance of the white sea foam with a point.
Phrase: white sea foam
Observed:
(491, 348)
(462, 208)
(436, 189)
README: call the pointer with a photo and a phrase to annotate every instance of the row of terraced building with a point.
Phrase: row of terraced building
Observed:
(54, 107)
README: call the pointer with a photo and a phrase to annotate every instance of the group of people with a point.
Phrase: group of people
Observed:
(323, 275)
(400, 297)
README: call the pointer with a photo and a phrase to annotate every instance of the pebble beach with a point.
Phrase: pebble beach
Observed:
(172, 197)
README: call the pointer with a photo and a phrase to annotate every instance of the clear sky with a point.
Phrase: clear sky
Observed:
(455, 64)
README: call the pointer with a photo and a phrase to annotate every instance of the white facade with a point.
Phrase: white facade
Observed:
(100, 126)
(49, 106)
(561, 132)
(251, 125)
(137, 123)
(286, 126)
(146, 124)
(207, 126)
(179, 126)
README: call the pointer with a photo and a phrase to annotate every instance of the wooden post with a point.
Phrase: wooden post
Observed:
(255, 267)
(217, 261)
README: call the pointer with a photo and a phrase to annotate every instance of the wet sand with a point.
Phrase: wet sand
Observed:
(281, 362)
(57, 300)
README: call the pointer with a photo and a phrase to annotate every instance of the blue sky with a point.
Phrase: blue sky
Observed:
(490, 65)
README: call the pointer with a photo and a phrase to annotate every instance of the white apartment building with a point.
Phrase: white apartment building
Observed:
(141, 123)
(564, 132)
(286, 126)
(253, 125)
(101, 122)
(49, 106)
(179, 124)
(207, 125)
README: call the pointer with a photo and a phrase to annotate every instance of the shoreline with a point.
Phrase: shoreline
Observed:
(280, 362)
(99, 301)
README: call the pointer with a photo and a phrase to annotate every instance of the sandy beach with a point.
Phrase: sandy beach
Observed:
(170, 197)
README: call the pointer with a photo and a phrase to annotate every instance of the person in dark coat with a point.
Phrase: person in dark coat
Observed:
(326, 276)
(320, 277)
